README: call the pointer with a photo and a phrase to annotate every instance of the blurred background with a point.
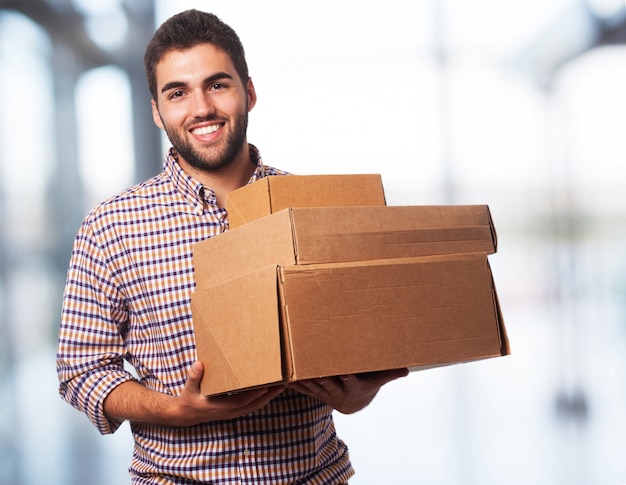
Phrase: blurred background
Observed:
(519, 105)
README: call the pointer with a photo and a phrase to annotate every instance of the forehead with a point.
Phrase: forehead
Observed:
(193, 64)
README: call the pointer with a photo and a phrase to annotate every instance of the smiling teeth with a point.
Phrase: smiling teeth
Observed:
(205, 130)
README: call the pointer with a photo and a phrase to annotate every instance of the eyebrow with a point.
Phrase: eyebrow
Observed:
(180, 84)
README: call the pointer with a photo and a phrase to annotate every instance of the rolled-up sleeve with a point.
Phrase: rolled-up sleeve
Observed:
(90, 343)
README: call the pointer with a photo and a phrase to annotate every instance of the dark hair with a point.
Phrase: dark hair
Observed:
(189, 29)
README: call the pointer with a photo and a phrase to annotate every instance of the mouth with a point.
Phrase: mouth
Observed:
(206, 130)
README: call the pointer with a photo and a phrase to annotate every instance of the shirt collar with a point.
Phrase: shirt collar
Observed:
(255, 156)
(192, 190)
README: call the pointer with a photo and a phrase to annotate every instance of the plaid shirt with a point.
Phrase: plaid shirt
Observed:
(127, 297)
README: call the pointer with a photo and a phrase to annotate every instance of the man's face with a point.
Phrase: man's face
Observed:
(203, 106)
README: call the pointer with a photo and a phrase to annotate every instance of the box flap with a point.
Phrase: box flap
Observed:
(286, 340)
(337, 234)
(248, 203)
(505, 348)
(237, 333)
(494, 235)
(263, 242)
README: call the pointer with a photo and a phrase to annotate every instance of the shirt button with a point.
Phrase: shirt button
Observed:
(247, 453)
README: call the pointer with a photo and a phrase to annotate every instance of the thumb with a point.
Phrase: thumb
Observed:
(195, 374)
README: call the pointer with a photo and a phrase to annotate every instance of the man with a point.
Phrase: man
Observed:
(129, 283)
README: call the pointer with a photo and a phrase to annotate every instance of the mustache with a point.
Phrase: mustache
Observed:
(206, 119)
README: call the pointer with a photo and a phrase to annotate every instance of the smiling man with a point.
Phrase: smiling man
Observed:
(202, 103)
(127, 295)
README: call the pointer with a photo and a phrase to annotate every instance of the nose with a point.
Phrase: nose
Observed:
(202, 104)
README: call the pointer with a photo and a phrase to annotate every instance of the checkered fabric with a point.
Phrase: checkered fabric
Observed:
(127, 298)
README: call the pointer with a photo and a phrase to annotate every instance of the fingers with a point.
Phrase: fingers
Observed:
(264, 399)
(324, 389)
(348, 393)
(334, 386)
(383, 377)
(351, 382)
(244, 399)
(192, 407)
(235, 405)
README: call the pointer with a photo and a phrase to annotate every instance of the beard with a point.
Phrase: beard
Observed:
(213, 159)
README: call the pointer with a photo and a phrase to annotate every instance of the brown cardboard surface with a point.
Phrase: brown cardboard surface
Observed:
(238, 338)
(343, 318)
(343, 234)
(272, 194)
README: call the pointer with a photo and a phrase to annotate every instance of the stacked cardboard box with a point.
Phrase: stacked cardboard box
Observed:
(323, 286)
(272, 194)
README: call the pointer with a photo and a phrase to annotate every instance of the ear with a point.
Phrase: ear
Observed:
(156, 117)
(251, 94)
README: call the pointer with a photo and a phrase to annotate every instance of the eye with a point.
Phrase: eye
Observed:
(217, 86)
(176, 94)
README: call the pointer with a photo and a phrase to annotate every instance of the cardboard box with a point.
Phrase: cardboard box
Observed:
(272, 194)
(343, 234)
(307, 321)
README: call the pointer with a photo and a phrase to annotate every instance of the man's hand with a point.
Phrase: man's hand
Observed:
(134, 402)
(348, 394)
(194, 408)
